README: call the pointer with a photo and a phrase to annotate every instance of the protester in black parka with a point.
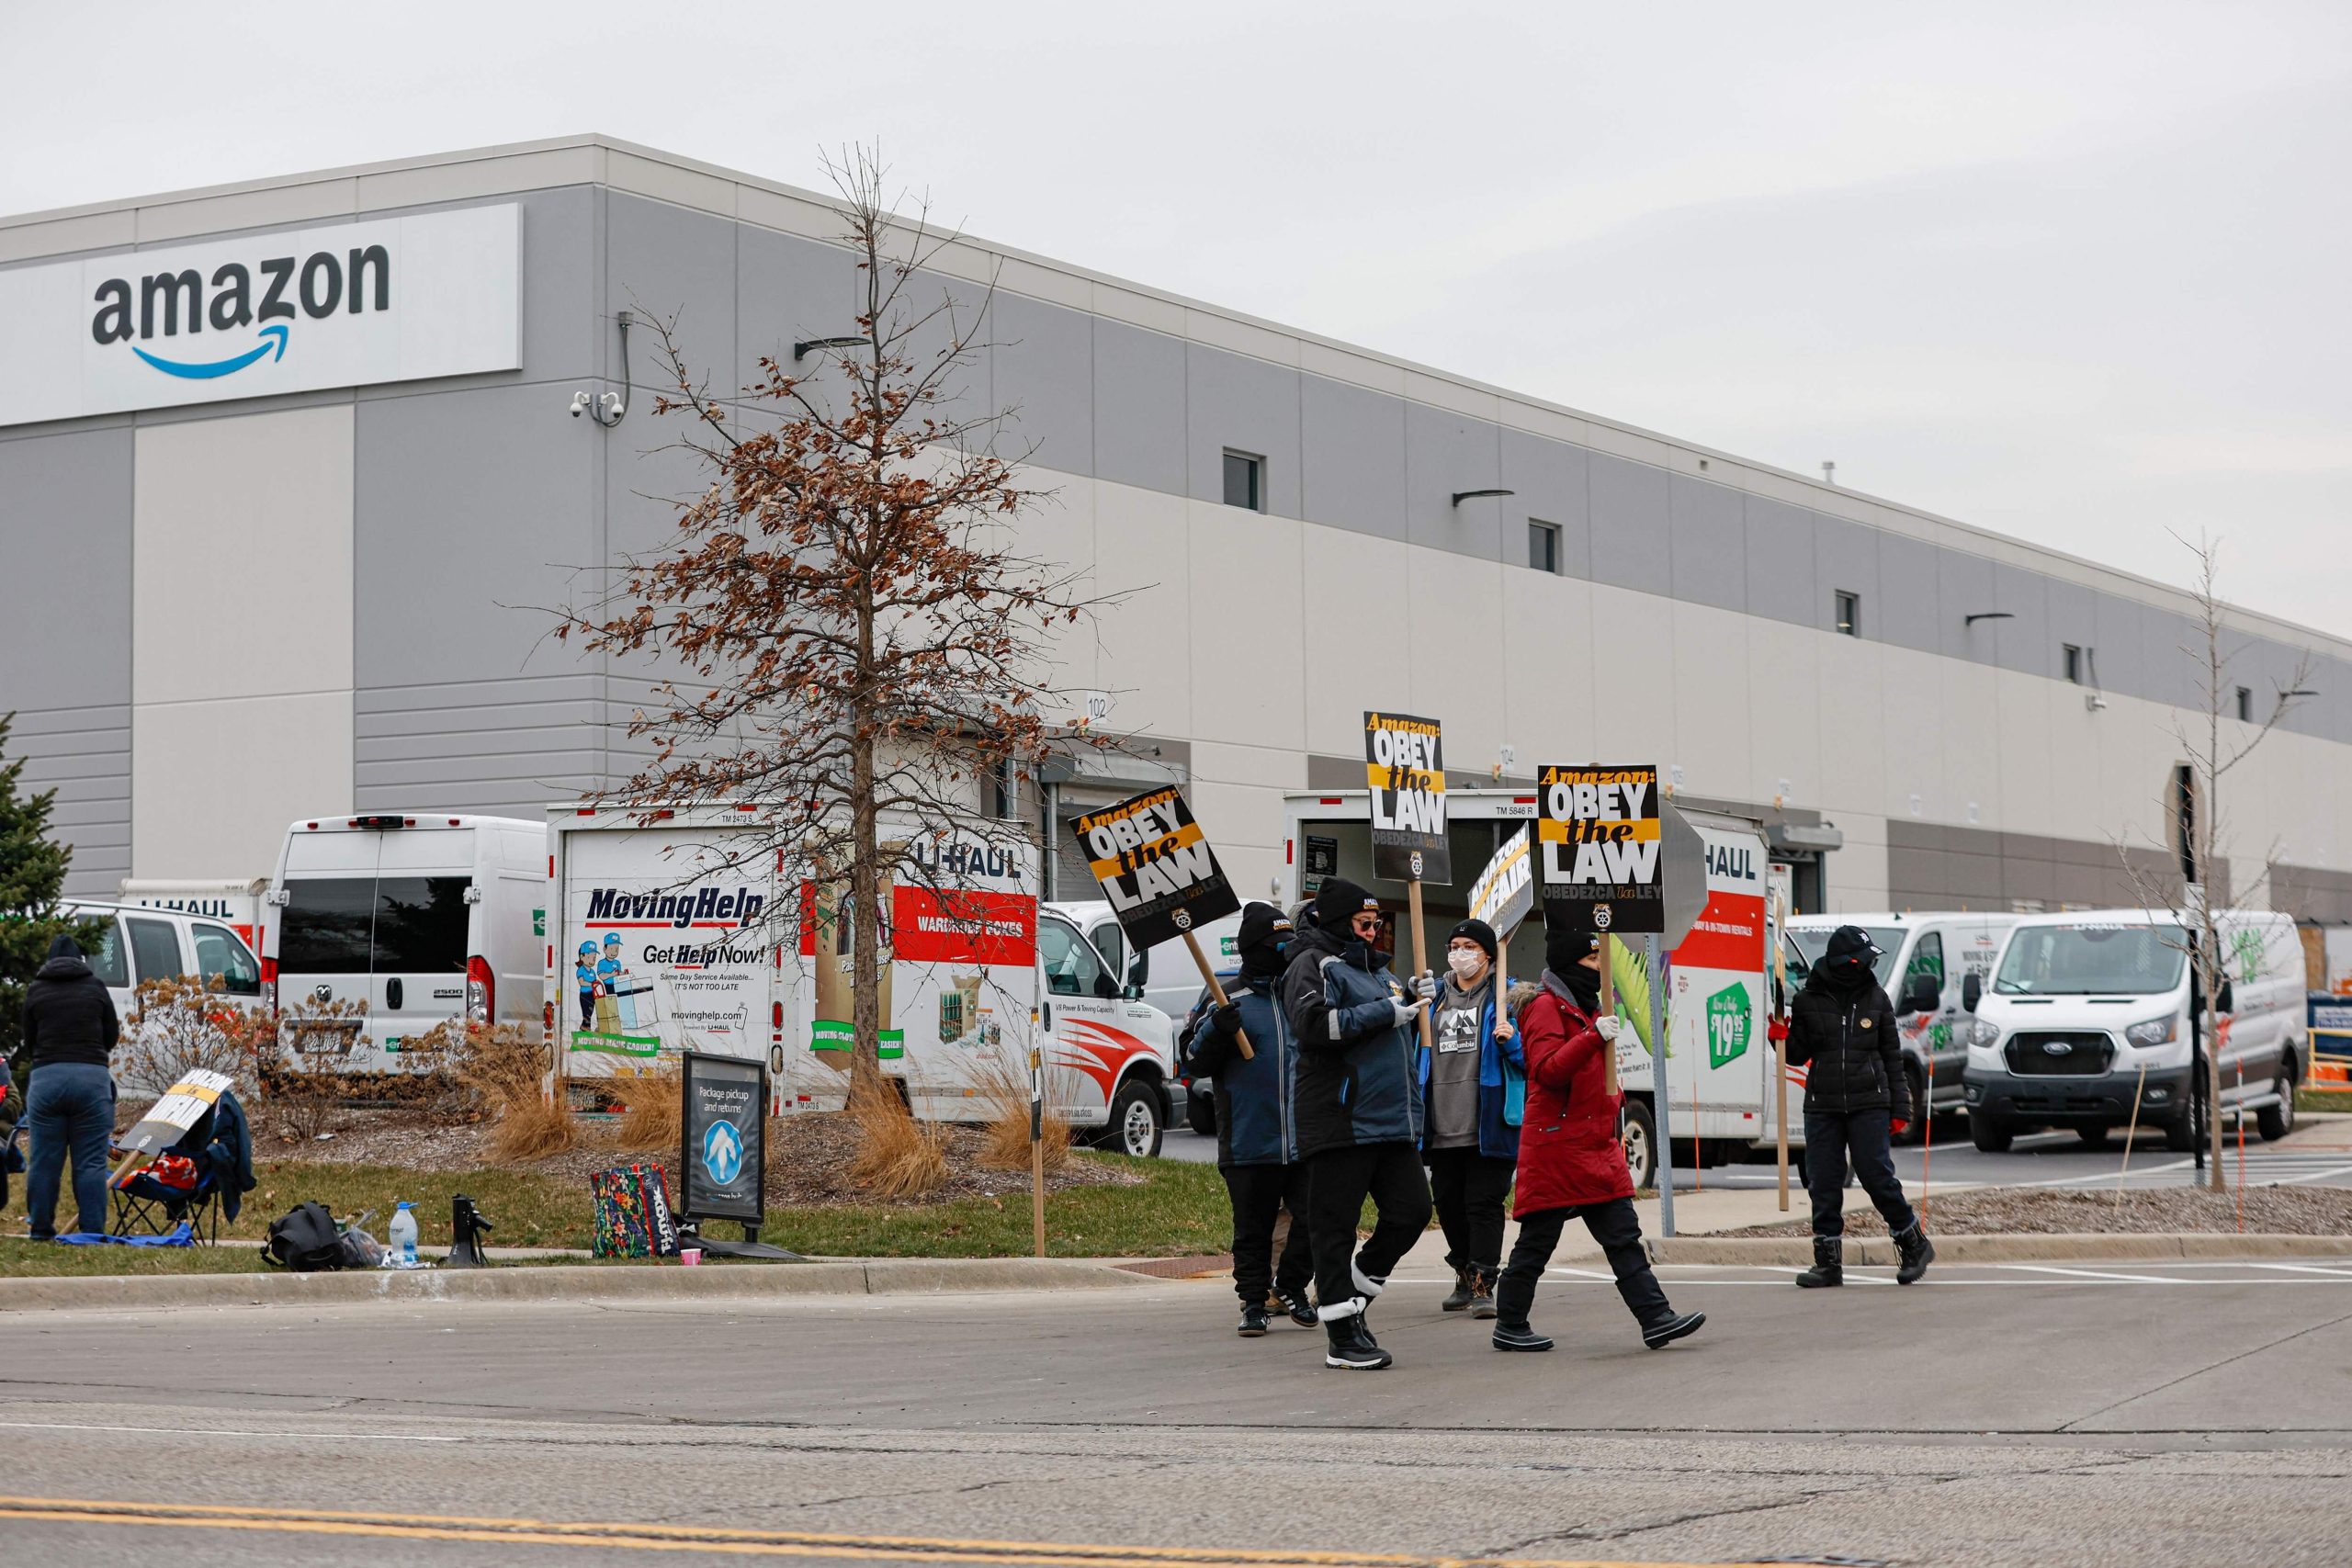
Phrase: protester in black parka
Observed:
(1857, 1098)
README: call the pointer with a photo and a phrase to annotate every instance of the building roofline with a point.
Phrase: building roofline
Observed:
(1246, 334)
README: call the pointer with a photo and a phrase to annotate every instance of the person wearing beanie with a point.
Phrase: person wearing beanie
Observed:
(1470, 1149)
(1359, 1123)
(1857, 1102)
(1571, 1159)
(1257, 1141)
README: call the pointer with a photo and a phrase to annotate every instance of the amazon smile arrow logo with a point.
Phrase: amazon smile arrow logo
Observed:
(274, 346)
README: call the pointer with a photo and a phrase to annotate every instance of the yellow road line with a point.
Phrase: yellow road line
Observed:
(721, 1542)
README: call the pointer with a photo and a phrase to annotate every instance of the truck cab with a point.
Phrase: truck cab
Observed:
(1101, 1030)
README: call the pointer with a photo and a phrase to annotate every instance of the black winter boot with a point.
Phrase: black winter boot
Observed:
(1465, 1286)
(1917, 1252)
(1482, 1293)
(1658, 1333)
(1353, 1348)
(1828, 1268)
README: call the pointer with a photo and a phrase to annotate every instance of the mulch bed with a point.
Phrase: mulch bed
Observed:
(808, 1157)
(2281, 1210)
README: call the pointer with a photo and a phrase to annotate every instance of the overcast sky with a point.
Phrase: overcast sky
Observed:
(2074, 273)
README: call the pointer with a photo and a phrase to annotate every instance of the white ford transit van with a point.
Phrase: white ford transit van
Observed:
(2087, 1009)
(419, 918)
(137, 945)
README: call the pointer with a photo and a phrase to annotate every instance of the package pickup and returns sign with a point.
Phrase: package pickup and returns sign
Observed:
(1155, 866)
(725, 1157)
(1599, 838)
(1404, 761)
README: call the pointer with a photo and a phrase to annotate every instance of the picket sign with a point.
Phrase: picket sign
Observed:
(1160, 876)
(1599, 835)
(1503, 897)
(181, 1108)
(1781, 1051)
(1404, 761)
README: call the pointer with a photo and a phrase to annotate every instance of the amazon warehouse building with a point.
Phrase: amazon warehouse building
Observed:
(290, 474)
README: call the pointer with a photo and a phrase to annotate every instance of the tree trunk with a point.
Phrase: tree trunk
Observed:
(865, 916)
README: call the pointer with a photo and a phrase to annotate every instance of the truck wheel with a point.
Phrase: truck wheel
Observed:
(1639, 1132)
(1134, 1127)
(1919, 1132)
(1989, 1132)
(2093, 1134)
(2275, 1122)
(1200, 1110)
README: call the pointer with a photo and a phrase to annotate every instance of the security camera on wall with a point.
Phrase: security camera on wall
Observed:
(579, 404)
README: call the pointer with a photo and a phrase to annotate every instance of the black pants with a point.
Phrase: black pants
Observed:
(1470, 1190)
(1338, 1182)
(1828, 1135)
(1618, 1230)
(1259, 1192)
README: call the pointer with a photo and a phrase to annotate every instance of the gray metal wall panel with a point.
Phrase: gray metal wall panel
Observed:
(1351, 457)
(1138, 407)
(2173, 659)
(470, 508)
(65, 595)
(1963, 587)
(1780, 561)
(505, 748)
(2074, 618)
(1444, 453)
(84, 753)
(1232, 400)
(787, 290)
(2023, 642)
(1045, 383)
(1846, 559)
(677, 265)
(2123, 662)
(562, 335)
(1710, 543)
(1906, 613)
(1550, 480)
(1632, 524)
(938, 313)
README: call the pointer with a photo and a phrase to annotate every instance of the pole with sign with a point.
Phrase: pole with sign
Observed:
(1781, 1051)
(1404, 761)
(1160, 876)
(1598, 837)
(1037, 1146)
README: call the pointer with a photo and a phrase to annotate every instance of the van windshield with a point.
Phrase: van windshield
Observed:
(2091, 960)
(1811, 942)
(366, 925)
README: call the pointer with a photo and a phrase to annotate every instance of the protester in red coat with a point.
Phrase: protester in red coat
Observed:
(1571, 1162)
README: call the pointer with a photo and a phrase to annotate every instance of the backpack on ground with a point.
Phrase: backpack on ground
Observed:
(306, 1240)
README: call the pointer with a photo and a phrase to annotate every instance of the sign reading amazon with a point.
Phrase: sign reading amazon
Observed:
(347, 305)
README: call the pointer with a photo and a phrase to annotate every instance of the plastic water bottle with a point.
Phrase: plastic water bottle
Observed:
(403, 1235)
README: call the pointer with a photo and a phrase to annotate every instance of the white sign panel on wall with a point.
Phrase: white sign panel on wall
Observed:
(347, 305)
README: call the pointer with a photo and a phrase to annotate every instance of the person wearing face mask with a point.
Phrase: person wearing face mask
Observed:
(1257, 1135)
(1359, 1101)
(1470, 1149)
(1857, 1101)
(1571, 1162)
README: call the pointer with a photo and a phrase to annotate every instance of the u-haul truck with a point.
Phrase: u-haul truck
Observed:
(692, 932)
(1719, 1066)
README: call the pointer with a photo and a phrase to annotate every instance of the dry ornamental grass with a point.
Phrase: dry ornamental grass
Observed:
(897, 1157)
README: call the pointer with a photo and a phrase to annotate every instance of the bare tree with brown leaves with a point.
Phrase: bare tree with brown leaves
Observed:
(860, 651)
(2214, 741)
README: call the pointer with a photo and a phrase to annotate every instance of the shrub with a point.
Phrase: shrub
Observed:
(897, 1157)
(186, 1024)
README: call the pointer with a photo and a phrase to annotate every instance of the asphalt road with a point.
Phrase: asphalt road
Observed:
(2113, 1413)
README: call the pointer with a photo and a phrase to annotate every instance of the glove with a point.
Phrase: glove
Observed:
(1427, 986)
(1898, 1126)
(1406, 1011)
(1225, 1020)
(1609, 1026)
(1776, 1029)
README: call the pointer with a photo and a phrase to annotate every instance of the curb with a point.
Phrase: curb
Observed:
(559, 1282)
(2149, 1246)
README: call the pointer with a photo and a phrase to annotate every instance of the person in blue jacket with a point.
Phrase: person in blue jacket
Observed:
(1257, 1136)
(1470, 1147)
(1359, 1118)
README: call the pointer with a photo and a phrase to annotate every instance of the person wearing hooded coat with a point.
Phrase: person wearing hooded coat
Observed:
(1857, 1101)
(1257, 1128)
(1358, 1112)
(69, 1029)
(1469, 1145)
(1571, 1158)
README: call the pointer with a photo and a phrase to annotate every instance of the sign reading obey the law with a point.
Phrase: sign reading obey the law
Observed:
(1599, 838)
(1504, 894)
(1155, 866)
(1404, 761)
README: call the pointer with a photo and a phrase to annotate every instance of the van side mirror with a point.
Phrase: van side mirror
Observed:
(2228, 1002)
(1972, 990)
(1922, 992)
(1139, 970)
(1105, 987)
(1131, 993)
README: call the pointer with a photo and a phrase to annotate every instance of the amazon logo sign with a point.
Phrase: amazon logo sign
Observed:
(344, 305)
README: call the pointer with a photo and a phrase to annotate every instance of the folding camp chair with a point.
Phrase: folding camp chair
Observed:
(154, 1196)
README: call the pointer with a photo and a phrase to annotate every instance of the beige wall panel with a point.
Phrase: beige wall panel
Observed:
(1146, 659)
(1633, 719)
(214, 784)
(1358, 657)
(1711, 701)
(1858, 767)
(1456, 612)
(1248, 675)
(1548, 667)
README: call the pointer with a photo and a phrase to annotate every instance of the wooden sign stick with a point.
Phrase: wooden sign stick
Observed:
(1420, 957)
(1608, 1005)
(1241, 1038)
(1780, 1052)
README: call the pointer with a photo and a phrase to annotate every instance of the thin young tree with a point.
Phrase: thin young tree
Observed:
(860, 651)
(2213, 742)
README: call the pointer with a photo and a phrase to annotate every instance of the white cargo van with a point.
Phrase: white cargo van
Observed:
(418, 918)
(2088, 1008)
(138, 946)
(1925, 962)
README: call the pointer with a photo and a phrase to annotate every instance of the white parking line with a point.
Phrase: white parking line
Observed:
(1583, 1273)
(2298, 1181)
(2306, 1268)
(1788, 1269)
(2091, 1274)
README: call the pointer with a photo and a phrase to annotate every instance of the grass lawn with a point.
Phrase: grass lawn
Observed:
(1179, 1209)
(2322, 1100)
